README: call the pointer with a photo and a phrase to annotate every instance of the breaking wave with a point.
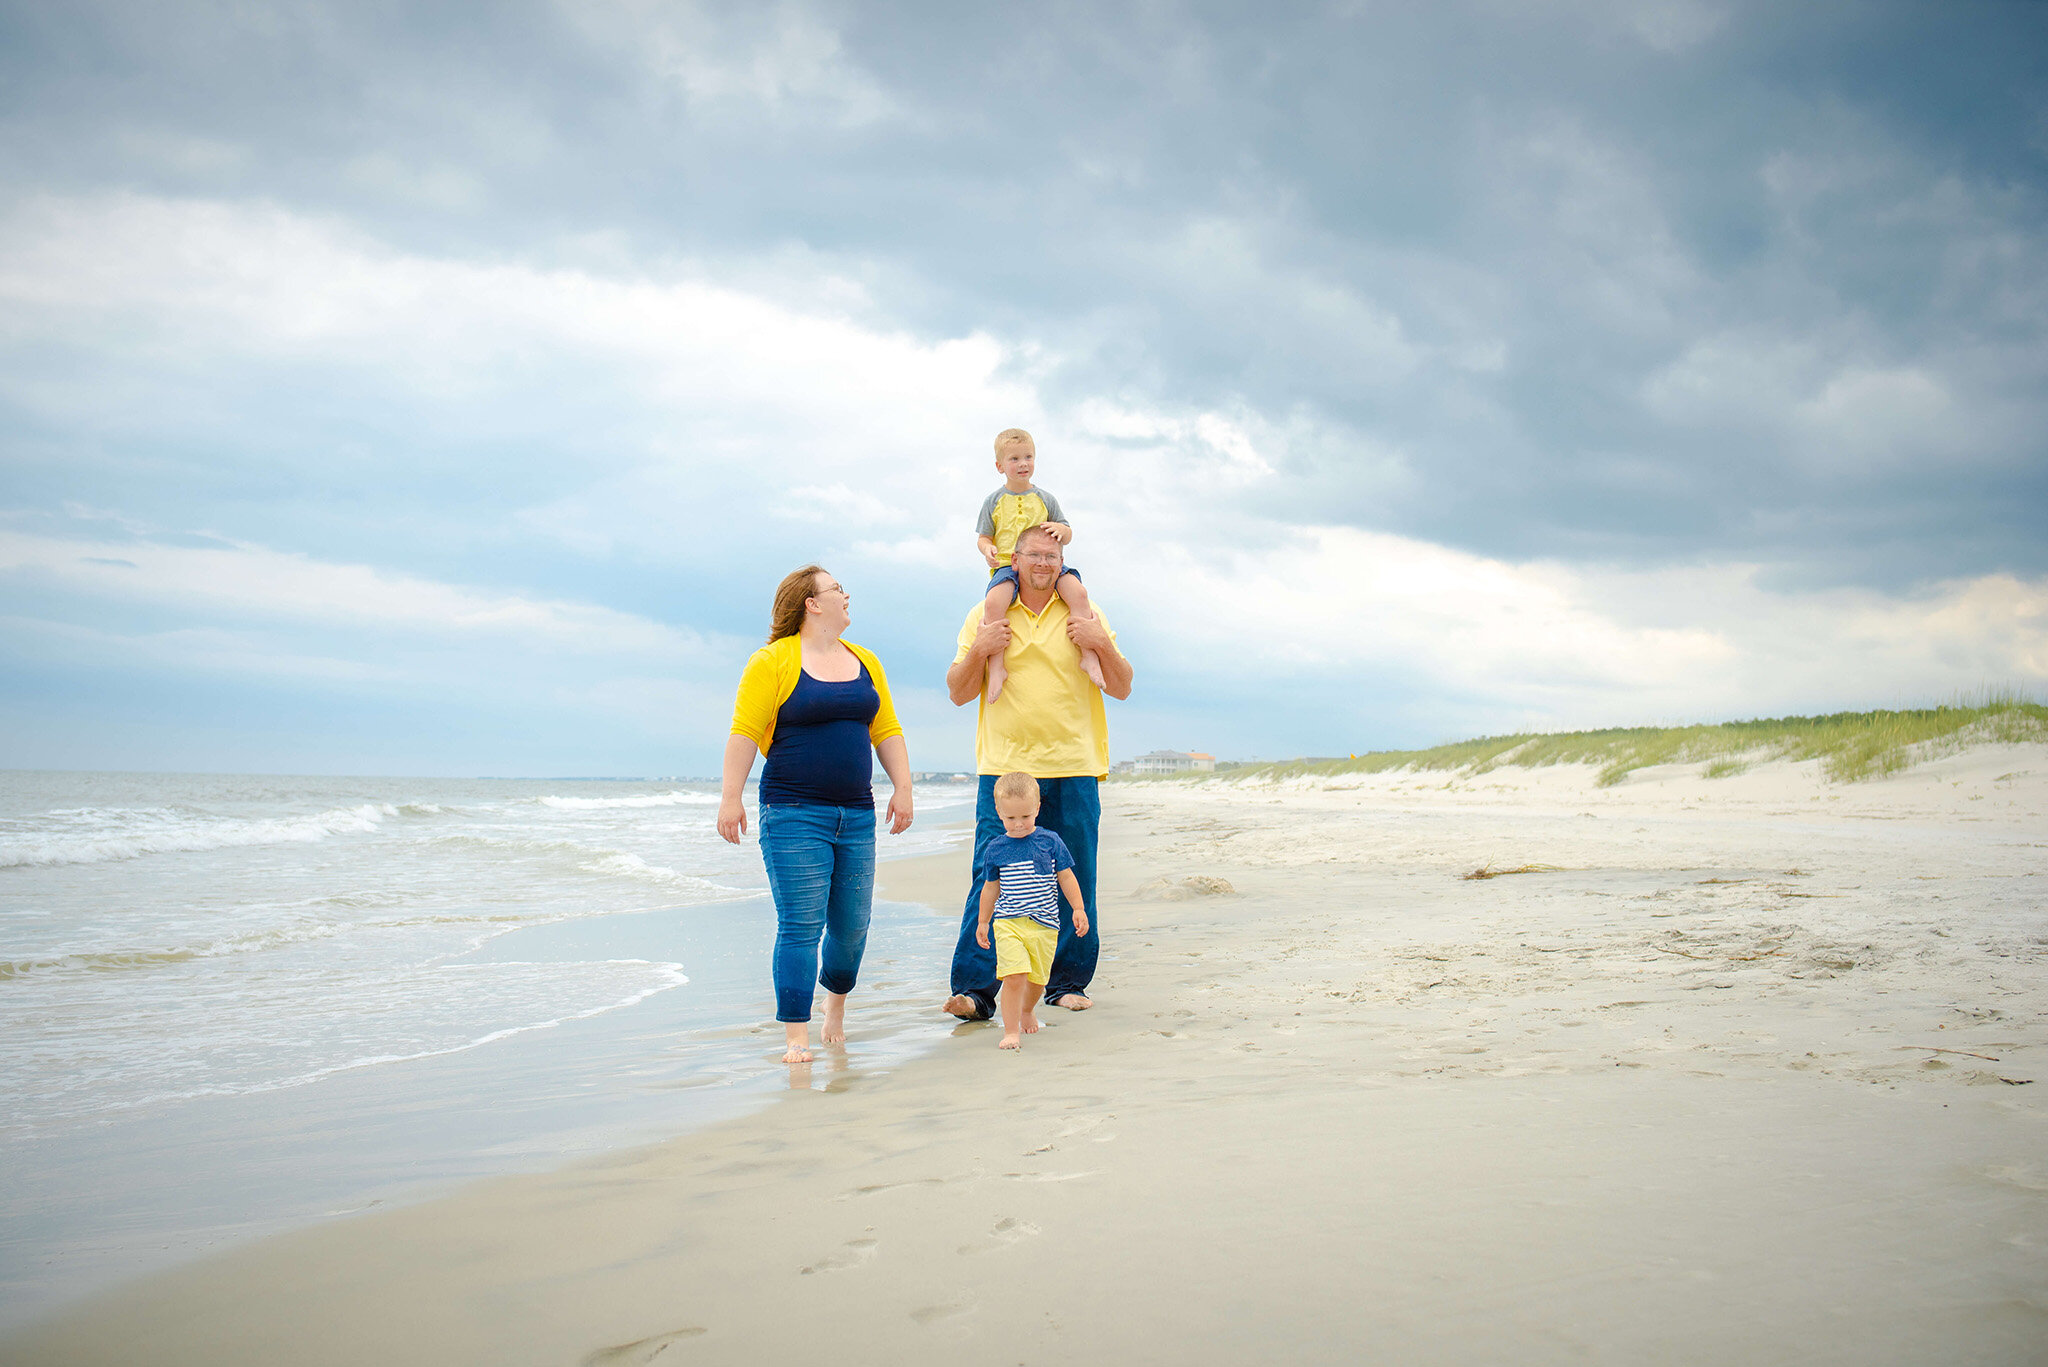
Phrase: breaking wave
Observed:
(133, 834)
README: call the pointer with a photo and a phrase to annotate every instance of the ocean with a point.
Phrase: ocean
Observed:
(231, 1005)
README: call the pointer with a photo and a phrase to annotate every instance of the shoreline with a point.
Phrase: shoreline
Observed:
(1742, 1075)
(148, 1191)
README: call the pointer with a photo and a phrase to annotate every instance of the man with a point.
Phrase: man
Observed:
(1048, 723)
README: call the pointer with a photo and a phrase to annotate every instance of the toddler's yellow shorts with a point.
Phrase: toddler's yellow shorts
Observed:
(1023, 946)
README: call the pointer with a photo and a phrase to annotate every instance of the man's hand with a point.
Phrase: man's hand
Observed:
(1088, 633)
(992, 639)
(981, 934)
(1058, 531)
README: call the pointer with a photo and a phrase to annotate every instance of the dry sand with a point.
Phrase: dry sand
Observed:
(1757, 1074)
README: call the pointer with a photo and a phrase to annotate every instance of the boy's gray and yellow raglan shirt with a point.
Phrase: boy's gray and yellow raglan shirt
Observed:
(1004, 516)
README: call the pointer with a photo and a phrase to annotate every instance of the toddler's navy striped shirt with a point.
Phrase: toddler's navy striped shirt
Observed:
(1028, 871)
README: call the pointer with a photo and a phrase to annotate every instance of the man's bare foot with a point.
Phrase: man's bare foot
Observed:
(833, 1031)
(1074, 1001)
(1091, 665)
(963, 1006)
(1030, 1023)
(1011, 1042)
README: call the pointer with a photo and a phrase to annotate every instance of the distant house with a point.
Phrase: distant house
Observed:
(1172, 762)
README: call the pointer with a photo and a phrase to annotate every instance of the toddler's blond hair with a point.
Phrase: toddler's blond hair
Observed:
(1018, 784)
(1010, 434)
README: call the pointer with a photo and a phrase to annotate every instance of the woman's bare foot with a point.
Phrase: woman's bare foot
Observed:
(834, 1029)
(1011, 1042)
(797, 1036)
(963, 1006)
(1074, 1001)
(1030, 1023)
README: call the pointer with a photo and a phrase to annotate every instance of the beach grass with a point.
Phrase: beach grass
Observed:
(1851, 746)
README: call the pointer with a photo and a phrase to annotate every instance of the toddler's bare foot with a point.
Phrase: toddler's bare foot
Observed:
(1091, 665)
(1030, 1023)
(1011, 1042)
(997, 673)
(834, 1029)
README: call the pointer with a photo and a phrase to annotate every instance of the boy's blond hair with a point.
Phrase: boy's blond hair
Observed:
(1010, 434)
(1018, 784)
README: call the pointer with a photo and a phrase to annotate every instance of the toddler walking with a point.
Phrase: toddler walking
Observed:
(1025, 871)
(1005, 515)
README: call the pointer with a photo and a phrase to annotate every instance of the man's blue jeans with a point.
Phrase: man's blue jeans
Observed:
(821, 871)
(1070, 808)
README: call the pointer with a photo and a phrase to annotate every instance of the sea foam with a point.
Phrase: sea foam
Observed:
(131, 834)
(598, 804)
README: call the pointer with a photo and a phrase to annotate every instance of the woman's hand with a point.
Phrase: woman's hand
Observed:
(899, 811)
(732, 818)
(895, 757)
(739, 762)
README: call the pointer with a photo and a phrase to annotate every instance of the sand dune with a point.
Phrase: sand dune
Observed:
(1751, 1070)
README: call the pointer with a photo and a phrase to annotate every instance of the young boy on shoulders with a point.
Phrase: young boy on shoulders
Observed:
(1005, 515)
(1026, 870)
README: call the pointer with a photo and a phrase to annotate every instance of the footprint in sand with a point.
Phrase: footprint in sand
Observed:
(932, 1316)
(1007, 1230)
(1075, 1129)
(855, 1252)
(878, 1188)
(640, 1350)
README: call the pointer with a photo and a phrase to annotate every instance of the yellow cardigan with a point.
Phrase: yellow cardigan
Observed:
(770, 677)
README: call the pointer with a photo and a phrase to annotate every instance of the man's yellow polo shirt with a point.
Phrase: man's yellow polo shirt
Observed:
(1049, 721)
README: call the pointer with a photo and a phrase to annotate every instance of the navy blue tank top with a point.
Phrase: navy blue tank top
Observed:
(820, 753)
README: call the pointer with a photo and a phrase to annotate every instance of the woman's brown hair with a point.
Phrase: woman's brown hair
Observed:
(797, 588)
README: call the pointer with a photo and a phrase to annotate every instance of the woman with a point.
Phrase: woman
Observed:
(814, 704)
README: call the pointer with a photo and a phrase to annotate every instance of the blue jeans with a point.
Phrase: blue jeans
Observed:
(821, 871)
(1070, 808)
(1007, 574)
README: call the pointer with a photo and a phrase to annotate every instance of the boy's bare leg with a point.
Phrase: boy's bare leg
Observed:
(797, 1036)
(1032, 992)
(1075, 595)
(834, 1029)
(994, 609)
(1011, 998)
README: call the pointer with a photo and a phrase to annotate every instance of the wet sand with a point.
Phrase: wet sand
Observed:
(1756, 1071)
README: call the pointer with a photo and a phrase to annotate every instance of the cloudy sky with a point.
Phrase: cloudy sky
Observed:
(400, 388)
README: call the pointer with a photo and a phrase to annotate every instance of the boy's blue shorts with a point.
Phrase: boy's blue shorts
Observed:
(1007, 574)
